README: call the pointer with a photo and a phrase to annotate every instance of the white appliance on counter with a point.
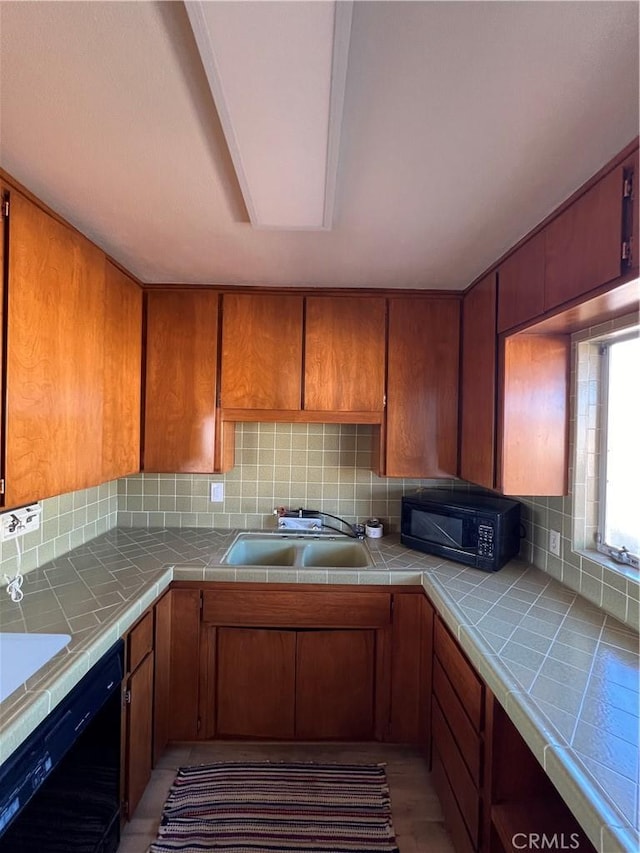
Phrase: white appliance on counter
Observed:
(22, 655)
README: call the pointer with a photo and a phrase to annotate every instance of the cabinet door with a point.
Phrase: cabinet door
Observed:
(184, 664)
(180, 393)
(162, 675)
(521, 284)
(583, 244)
(261, 360)
(534, 446)
(335, 685)
(344, 354)
(122, 375)
(256, 683)
(55, 356)
(411, 670)
(478, 404)
(422, 400)
(139, 733)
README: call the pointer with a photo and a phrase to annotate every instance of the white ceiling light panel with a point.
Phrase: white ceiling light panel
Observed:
(277, 72)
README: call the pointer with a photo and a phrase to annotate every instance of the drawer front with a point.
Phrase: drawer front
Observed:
(297, 610)
(452, 817)
(461, 674)
(466, 793)
(468, 740)
(140, 642)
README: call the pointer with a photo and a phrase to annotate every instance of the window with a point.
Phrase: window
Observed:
(618, 533)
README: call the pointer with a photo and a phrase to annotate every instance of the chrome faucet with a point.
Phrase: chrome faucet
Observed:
(298, 519)
(314, 519)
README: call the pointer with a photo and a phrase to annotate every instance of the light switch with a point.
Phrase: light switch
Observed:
(217, 492)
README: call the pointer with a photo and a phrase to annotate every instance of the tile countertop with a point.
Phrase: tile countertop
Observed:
(565, 671)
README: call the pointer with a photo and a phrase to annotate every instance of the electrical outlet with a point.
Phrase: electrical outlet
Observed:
(17, 522)
(554, 542)
(217, 492)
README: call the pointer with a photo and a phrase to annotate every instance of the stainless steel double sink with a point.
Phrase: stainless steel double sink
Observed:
(297, 551)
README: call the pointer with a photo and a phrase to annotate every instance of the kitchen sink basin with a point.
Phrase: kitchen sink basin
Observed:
(297, 551)
(260, 552)
(336, 554)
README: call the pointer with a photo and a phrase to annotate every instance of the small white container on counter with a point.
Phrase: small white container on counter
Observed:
(374, 529)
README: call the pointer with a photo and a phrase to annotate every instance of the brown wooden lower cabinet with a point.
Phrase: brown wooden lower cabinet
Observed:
(452, 816)
(467, 739)
(292, 663)
(307, 684)
(463, 677)
(458, 720)
(335, 685)
(184, 664)
(329, 664)
(284, 662)
(525, 808)
(255, 682)
(495, 796)
(138, 713)
(139, 728)
(466, 793)
(162, 674)
(411, 655)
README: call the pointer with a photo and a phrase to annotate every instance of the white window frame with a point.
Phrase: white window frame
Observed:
(619, 555)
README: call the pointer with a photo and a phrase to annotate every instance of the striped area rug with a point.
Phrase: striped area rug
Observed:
(262, 807)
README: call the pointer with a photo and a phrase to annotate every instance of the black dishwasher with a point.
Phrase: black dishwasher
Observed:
(60, 790)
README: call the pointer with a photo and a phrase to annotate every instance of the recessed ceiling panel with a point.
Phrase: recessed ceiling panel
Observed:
(270, 67)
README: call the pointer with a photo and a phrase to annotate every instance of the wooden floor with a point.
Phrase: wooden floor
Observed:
(417, 817)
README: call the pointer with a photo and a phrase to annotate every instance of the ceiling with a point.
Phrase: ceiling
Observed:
(463, 125)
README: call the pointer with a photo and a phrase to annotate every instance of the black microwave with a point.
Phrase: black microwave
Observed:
(479, 530)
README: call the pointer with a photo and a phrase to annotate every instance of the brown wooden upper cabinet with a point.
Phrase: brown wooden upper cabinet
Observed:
(422, 382)
(344, 361)
(513, 430)
(478, 396)
(534, 421)
(180, 390)
(521, 284)
(295, 358)
(261, 358)
(122, 375)
(56, 344)
(583, 245)
(578, 251)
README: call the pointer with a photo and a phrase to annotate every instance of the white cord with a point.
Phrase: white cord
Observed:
(14, 585)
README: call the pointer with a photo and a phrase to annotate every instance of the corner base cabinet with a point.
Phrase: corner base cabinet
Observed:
(280, 662)
(306, 684)
(294, 664)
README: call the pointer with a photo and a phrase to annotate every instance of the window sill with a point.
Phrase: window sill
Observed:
(608, 564)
